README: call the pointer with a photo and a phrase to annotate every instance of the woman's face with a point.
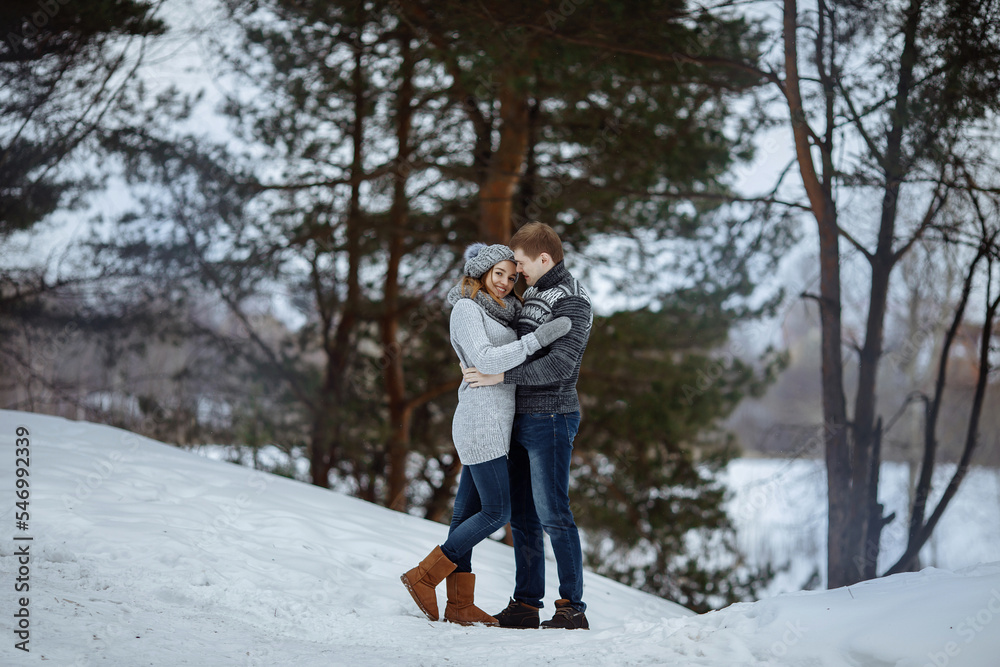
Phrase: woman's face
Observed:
(499, 280)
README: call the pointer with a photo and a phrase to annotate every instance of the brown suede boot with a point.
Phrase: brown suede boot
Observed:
(422, 579)
(460, 609)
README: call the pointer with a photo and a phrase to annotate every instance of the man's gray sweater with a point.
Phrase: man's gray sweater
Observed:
(546, 381)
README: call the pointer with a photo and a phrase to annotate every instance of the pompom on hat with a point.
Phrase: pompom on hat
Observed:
(480, 258)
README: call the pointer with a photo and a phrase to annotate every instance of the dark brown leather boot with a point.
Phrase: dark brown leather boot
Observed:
(518, 615)
(422, 580)
(567, 618)
(460, 608)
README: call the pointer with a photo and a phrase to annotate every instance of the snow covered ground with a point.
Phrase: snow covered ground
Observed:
(778, 507)
(143, 554)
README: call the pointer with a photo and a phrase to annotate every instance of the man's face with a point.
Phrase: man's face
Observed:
(532, 269)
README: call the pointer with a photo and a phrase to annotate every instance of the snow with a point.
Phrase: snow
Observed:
(144, 554)
(778, 508)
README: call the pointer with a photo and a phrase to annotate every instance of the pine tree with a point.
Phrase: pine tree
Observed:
(63, 66)
(654, 387)
(382, 143)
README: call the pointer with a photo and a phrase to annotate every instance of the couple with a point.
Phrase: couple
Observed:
(517, 415)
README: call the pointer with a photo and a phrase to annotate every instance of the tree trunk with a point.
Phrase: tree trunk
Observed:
(321, 446)
(863, 495)
(919, 530)
(399, 412)
(327, 435)
(528, 185)
(838, 465)
(876, 521)
(439, 503)
(496, 193)
(499, 172)
(821, 202)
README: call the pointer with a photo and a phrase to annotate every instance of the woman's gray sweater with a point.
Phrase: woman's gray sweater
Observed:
(482, 424)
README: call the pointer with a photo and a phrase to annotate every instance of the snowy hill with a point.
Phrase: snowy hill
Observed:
(143, 554)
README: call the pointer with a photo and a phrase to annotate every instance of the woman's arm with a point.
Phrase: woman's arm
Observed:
(469, 331)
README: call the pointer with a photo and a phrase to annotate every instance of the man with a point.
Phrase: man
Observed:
(547, 417)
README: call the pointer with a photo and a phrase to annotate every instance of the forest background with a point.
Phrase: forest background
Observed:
(235, 224)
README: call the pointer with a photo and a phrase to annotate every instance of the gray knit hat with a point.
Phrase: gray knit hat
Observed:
(480, 258)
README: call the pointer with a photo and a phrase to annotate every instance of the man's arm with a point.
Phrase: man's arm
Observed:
(564, 353)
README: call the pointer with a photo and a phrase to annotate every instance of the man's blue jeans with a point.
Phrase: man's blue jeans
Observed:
(540, 451)
(482, 507)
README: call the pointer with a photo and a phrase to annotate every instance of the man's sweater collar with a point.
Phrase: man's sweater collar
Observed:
(552, 277)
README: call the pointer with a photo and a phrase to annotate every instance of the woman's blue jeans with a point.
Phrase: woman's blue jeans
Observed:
(482, 507)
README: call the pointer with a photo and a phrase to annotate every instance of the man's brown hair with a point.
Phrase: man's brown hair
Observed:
(534, 239)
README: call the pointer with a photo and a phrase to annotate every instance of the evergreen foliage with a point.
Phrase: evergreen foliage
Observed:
(651, 449)
(61, 65)
(368, 138)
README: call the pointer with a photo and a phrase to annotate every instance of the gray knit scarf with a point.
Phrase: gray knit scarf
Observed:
(502, 315)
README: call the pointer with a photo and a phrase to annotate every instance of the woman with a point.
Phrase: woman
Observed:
(483, 336)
